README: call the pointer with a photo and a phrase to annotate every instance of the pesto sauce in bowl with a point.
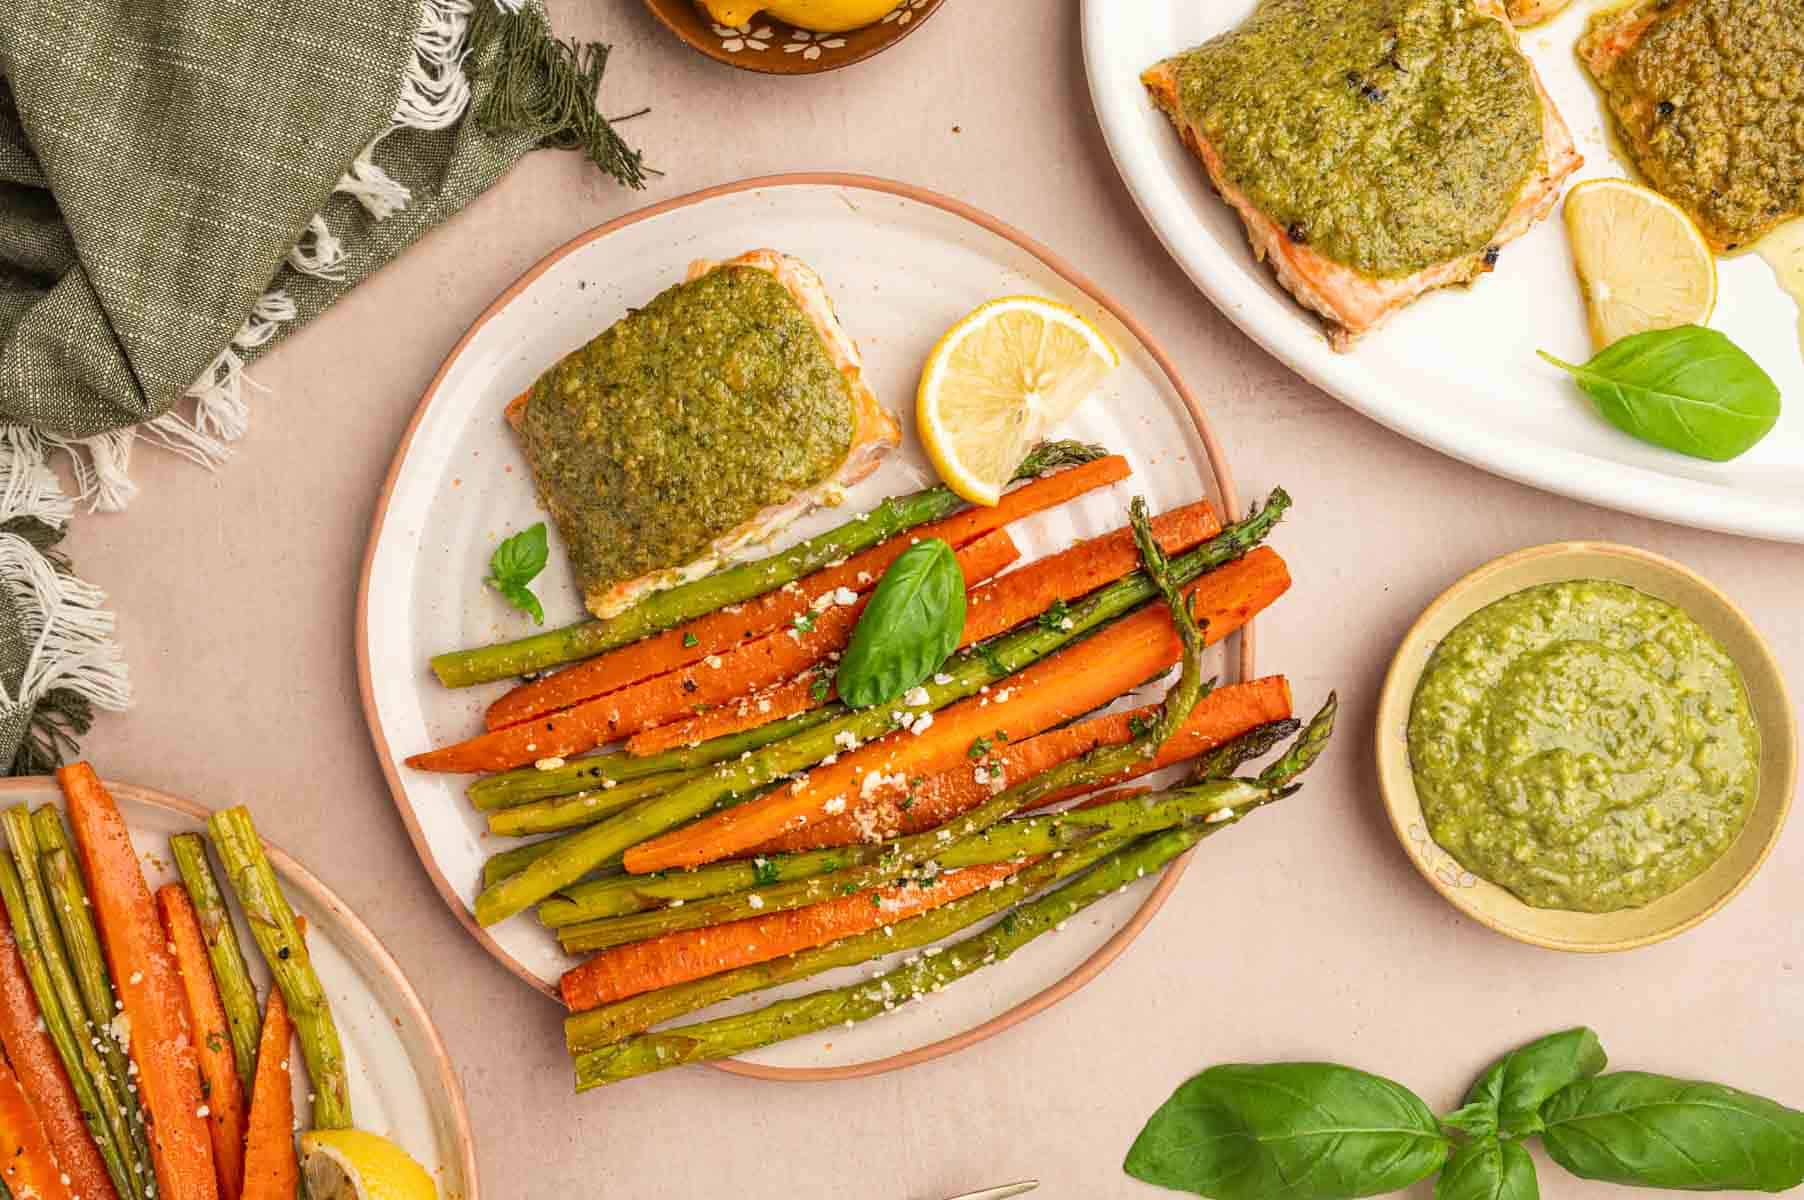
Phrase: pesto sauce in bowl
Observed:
(1583, 745)
(1387, 135)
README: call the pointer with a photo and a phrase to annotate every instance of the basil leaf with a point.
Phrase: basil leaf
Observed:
(1654, 1131)
(514, 564)
(1516, 1086)
(1477, 1118)
(520, 558)
(1688, 389)
(913, 622)
(1489, 1170)
(522, 598)
(1304, 1131)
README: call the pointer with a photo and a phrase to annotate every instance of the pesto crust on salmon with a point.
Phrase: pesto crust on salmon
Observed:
(1709, 98)
(698, 425)
(1375, 150)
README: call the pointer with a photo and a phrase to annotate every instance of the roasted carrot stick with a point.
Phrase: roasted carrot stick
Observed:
(271, 1171)
(998, 605)
(27, 1163)
(897, 808)
(150, 990)
(720, 631)
(773, 703)
(212, 1037)
(1077, 679)
(716, 680)
(40, 1072)
(623, 971)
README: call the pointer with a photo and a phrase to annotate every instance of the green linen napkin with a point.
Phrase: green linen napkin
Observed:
(181, 184)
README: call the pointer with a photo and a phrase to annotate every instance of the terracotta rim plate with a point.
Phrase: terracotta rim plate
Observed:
(402, 1082)
(1457, 371)
(772, 47)
(1663, 579)
(901, 264)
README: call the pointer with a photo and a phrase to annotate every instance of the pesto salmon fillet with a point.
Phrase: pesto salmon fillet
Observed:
(1708, 96)
(1375, 150)
(699, 425)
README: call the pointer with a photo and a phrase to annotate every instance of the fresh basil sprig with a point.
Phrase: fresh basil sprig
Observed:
(1688, 389)
(1315, 1131)
(515, 563)
(913, 622)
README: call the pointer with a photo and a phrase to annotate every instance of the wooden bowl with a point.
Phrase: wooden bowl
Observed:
(774, 48)
(1663, 579)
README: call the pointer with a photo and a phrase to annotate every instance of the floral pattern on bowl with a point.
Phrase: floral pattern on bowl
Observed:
(772, 47)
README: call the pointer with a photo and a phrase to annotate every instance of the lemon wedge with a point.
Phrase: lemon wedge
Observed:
(1641, 261)
(349, 1164)
(998, 382)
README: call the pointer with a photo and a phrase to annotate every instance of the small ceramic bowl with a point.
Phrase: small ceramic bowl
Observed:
(1665, 580)
(773, 48)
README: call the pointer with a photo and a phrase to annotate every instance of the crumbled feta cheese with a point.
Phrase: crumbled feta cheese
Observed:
(916, 696)
(834, 806)
(942, 678)
(677, 903)
(549, 764)
(201, 1111)
(1059, 928)
(845, 597)
(981, 775)
(764, 706)
(829, 760)
(822, 602)
(1002, 697)
(755, 900)
(922, 721)
(1219, 815)
(864, 577)
(712, 662)
(845, 739)
(1067, 625)
(136, 978)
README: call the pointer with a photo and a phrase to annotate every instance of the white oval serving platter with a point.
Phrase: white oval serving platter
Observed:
(1457, 371)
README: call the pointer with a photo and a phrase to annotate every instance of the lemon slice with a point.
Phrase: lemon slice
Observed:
(998, 382)
(1641, 260)
(349, 1164)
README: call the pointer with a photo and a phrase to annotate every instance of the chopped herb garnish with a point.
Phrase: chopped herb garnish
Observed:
(689, 640)
(1054, 617)
(804, 622)
(979, 748)
(819, 688)
(764, 871)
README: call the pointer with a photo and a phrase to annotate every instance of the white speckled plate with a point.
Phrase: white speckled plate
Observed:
(901, 265)
(402, 1083)
(1457, 370)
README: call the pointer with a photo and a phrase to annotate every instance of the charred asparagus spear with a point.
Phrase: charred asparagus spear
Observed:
(918, 977)
(103, 1106)
(237, 992)
(578, 854)
(69, 904)
(665, 609)
(605, 771)
(278, 936)
(594, 916)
